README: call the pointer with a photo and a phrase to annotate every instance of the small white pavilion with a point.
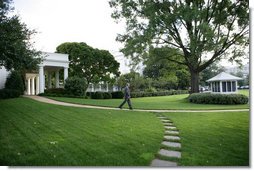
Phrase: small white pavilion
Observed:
(224, 83)
(51, 64)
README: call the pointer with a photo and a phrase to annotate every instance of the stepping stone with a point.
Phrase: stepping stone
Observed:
(172, 132)
(170, 153)
(165, 120)
(171, 137)
(162, 117)
(168, 124)
(162, 163)
(171, 144)
(170, 127)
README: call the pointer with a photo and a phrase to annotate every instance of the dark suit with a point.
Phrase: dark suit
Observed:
(127, 97)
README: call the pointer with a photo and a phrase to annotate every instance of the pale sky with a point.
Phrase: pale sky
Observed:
(59, 21)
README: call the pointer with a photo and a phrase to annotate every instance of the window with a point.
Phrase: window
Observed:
(233, 86)
(229, 86)
(224, 86)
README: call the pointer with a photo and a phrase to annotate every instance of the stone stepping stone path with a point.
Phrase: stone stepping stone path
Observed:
(171, 140)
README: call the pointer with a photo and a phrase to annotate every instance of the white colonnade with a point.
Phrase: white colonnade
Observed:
(32, 84)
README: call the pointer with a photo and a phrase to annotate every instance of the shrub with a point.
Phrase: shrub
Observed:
(97, 95)
(9, 93)
(107, 95)
(160, 93)
(60, 91)
(208, 98)
(75, 86)
(14, 81)
(117, 95)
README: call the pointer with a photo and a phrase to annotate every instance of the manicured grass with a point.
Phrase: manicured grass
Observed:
(213, 139)
(34, 133)
(244, 92)
(162, 102)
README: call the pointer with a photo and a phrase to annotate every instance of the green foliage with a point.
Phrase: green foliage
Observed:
(97, 95)
(75, 86)
(159, 93)
(137, 82)
(92, 64)
(210, 72)
(117, 95)
(16, 49)
(195, 28)
(14, 81)
(166, 74)
(56, 91)
(9, 93)
(107, 95)
(208, 98)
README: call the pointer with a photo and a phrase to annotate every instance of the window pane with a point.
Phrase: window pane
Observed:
(233, 86)
(229, 86)
(224, 86)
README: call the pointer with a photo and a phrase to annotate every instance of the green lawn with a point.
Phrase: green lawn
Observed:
(244, 92)
(213, 139)
(34, 133)
(162, 102)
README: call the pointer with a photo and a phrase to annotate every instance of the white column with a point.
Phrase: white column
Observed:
(92, 87)
(65, 73)
(37, 85)
(28, 86)
(57, 78)
(221, 87)
(49, 80)
(41, 76)
(107, 86)
(100, 86)
(32, 92)
(231, 86)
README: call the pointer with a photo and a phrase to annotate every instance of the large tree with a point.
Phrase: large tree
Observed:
(92, 64)
(16, 48)
(204, 30)
(158, 66)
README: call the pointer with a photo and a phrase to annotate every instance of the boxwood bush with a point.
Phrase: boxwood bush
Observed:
(9, 93)
(117, 95)
(107, 95)
(59, 91)
(75, 86)
(159, 93)
(208, 98)
(97, 95)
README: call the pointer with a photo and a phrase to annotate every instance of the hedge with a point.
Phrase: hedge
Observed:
(160, 93)
(117, 95)
(9, 93)
(225, 99)
(55, 91)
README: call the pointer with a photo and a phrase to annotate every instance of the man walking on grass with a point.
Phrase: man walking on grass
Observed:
(127, 97)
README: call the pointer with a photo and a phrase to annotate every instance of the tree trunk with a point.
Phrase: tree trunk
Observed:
(194, 82)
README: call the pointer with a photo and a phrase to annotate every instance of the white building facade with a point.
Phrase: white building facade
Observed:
(224, 83)
(50, 66)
